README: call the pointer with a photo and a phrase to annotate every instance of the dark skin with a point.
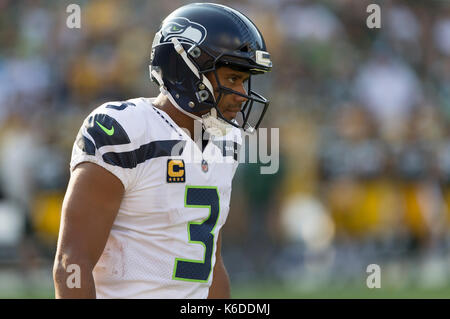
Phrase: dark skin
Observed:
(93, 199)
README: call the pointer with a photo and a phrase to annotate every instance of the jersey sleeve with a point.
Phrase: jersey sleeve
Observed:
(108, 138)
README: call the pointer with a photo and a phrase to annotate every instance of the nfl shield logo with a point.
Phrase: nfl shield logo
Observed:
(204, 166)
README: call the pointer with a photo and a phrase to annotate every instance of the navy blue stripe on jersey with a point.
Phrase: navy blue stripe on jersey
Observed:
(120, 107)
(106, 131)
(228, 148)
(85, 144)
(148, 151)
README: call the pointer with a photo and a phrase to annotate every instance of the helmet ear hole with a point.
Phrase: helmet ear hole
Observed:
(202, 95)
(195, 52)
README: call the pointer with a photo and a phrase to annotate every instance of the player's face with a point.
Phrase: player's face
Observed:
(229, 104)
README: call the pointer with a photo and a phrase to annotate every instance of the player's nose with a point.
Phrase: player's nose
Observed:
(240, 98)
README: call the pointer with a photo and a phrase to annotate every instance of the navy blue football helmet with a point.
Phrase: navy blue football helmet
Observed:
(197, 39)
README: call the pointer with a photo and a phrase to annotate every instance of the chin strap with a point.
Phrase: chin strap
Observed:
(214, 125)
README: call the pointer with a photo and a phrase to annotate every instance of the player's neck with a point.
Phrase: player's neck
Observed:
(181, 119)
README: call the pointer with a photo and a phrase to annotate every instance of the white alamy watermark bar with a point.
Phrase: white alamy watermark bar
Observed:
(259, 147)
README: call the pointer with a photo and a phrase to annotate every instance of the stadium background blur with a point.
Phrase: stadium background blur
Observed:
(363, 115)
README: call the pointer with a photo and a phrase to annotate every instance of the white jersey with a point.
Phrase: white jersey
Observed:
(163, 241)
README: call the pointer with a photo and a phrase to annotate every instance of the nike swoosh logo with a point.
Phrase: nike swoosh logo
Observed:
(109, 132)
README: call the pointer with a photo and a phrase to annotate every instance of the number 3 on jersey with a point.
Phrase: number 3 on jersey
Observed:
(199, 233)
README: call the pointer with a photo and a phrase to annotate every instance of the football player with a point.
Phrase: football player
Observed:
(146, 201)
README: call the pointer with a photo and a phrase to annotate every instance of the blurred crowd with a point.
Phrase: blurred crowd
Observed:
(363, 116)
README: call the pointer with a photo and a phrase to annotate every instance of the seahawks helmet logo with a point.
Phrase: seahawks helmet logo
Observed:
(184, 30)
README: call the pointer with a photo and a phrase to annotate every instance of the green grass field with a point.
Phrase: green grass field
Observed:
(276, 291)
(273, 291)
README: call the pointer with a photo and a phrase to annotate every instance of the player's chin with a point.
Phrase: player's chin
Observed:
(230, 115)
